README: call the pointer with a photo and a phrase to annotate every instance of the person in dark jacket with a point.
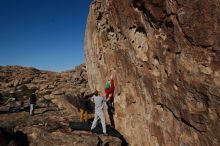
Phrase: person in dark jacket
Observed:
(84, 107)
(33, 101)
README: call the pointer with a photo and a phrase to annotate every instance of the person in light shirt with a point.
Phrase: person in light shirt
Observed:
(99, 113)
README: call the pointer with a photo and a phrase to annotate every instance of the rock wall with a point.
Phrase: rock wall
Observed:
(165, 58)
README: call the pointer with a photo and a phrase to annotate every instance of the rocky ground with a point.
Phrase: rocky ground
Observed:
(49, 126)
(57, 105)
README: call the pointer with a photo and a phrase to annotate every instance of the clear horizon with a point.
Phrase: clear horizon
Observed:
(44, 34)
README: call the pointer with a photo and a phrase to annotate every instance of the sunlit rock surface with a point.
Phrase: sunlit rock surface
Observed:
(165, 58)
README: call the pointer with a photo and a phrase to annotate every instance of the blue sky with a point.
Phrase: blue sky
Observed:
(45, 34)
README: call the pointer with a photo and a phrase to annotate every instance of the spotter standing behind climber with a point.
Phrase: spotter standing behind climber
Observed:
(99, 113)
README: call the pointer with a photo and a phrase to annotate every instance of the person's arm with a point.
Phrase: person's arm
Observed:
(92, 98)
(112, 87)
(109, 92)
(104, 99)
(90, 95)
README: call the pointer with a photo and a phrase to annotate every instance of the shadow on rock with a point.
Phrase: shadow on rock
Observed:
(8, 138)
(98, 129)
(20, 139)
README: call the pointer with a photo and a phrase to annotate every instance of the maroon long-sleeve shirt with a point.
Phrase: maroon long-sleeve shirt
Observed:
(110, 91)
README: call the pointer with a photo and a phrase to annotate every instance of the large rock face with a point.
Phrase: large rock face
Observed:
(165, 57)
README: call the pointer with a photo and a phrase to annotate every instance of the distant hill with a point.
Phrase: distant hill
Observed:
(22, 81)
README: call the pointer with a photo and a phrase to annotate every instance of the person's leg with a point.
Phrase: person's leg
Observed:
(112, 121)
(102, 117)
(108, 107)
(111, 108)
(110, 113)
(86, 116)
(34, 106)
(31, 109)
(81, 115)
(94, 122)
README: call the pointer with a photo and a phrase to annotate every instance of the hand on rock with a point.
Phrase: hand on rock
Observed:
(111, 77)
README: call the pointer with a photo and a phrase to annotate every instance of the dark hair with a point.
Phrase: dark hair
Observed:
(82, 94)
(96, 93)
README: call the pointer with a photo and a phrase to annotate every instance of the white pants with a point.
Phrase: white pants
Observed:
(31, 109)
(99, 115)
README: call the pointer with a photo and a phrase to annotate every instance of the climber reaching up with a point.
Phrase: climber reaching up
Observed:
(109, 91)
